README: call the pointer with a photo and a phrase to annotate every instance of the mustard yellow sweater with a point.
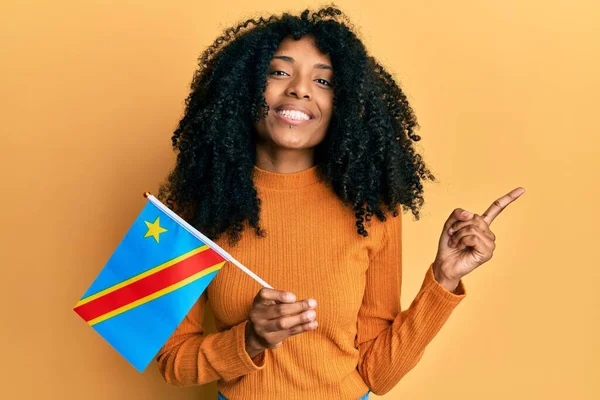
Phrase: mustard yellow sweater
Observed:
(363, 340)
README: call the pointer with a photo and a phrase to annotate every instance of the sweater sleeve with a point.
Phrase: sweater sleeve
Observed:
(391, 341)
(190, 357)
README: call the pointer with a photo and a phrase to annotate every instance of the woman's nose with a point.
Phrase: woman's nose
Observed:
(299, 87)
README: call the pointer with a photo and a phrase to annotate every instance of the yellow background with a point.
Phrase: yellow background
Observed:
(506, 93)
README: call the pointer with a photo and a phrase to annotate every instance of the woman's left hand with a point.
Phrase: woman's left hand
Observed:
(467, 241)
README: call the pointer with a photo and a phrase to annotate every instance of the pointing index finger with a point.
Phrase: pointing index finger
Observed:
(499, 205)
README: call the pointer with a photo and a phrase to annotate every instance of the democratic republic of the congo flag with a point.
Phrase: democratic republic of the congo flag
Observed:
(158, 271)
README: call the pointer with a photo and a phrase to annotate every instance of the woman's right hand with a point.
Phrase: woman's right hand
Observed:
(275, 316)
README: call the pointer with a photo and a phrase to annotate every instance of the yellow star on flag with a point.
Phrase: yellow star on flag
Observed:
(154, 229)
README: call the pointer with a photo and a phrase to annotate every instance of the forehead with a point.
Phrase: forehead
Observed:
(304, 48)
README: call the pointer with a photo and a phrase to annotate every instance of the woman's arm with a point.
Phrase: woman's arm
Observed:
(391, 341)
(190, 357)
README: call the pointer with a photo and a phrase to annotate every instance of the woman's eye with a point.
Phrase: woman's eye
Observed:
(283, 73)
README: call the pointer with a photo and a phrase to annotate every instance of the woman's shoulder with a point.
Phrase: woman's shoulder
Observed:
(391, 228)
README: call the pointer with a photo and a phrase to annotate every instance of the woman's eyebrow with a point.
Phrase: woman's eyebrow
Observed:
(290, 59)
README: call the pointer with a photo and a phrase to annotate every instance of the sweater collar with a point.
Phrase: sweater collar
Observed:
(283, 181)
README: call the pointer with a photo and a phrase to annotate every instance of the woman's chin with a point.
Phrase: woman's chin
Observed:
(296, 142)
(286, 138)
(292, 140)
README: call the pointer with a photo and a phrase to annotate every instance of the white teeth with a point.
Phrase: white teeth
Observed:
(293, 114)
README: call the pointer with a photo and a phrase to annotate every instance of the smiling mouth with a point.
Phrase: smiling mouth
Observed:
(290, 121)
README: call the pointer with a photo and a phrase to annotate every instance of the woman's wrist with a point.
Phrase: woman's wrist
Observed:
(253, 348)
(450, 286)
(448, 283)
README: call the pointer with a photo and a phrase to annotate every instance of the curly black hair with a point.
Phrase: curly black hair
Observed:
(366, 157)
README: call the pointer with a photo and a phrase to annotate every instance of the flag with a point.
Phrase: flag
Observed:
(151, 281)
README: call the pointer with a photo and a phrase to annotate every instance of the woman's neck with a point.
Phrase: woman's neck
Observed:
(285, 161)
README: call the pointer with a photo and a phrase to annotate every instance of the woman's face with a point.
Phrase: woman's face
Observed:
(299, 93)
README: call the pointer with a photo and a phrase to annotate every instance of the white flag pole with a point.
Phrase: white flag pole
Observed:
(203, 238)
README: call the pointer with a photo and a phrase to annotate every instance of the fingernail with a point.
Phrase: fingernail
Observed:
(289, 297)
(466, 214)
(312, 303)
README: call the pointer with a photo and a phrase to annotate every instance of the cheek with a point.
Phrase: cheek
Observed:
(327, 107)
(327, 116)
(271, 92)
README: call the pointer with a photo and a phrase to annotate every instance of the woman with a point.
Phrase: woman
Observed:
(292, 139)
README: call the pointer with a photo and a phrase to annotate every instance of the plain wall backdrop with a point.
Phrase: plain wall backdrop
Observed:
(506, 93)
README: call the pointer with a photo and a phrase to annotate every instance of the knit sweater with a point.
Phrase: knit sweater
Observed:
(312, 249)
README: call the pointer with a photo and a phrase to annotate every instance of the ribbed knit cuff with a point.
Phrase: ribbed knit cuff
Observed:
(245, 363)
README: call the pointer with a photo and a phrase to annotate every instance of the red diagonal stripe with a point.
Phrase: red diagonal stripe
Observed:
(148, 285)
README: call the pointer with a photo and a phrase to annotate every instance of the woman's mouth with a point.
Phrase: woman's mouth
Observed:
(292, 118)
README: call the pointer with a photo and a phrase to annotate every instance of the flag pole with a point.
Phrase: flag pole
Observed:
(193, 231)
